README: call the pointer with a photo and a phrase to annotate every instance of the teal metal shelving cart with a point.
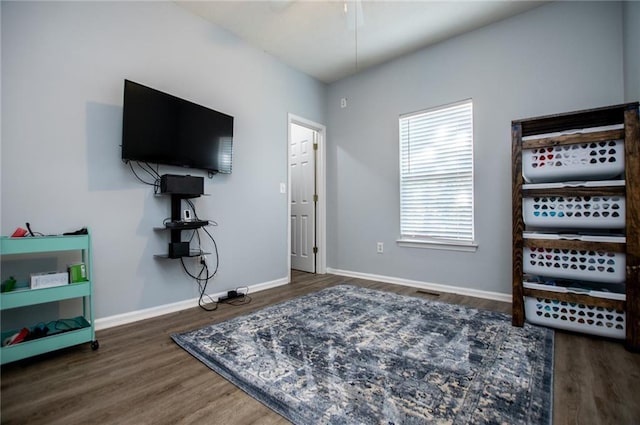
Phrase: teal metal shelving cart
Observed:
(28, 297)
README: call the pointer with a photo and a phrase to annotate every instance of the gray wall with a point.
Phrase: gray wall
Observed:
(558, 57)
(631, 31)
(63, 66)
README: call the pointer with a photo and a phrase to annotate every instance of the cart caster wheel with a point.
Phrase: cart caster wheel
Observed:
(95, 345)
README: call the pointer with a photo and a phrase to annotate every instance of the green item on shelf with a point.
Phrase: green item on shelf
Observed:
(77, 273)
(8, 285)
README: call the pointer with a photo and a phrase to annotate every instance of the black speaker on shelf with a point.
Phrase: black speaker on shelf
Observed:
(181, 185)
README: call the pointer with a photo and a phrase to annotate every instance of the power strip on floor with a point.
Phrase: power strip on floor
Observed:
(231, 295)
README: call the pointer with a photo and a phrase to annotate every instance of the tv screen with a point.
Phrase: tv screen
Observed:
(163, 129)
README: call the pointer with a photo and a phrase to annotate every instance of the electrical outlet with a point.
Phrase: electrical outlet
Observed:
(380, 247)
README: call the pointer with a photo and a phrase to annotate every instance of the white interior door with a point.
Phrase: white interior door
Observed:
(303, 211)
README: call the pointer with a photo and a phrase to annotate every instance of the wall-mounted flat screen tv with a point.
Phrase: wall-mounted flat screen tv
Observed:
(160, 128)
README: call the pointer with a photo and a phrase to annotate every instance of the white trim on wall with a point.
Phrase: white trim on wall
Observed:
(148, 313)
(496, 296)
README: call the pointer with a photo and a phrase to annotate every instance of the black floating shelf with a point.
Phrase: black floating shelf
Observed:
(185, 226)
(192, 253)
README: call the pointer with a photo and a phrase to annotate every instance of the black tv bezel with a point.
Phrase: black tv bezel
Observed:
(166, 160)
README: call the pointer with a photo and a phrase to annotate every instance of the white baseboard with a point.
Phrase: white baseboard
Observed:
(496, 296)
(268, 285)
(148, 313)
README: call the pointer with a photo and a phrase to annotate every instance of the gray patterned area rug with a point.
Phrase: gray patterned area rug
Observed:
(350, 355)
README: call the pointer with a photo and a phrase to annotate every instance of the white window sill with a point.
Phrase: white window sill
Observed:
(438, 244)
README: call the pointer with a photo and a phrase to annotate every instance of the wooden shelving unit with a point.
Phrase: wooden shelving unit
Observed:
(535, 132)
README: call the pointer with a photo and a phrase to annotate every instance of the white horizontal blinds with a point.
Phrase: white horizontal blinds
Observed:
(436, 173)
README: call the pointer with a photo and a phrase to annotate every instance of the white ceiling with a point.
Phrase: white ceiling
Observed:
(320, 39)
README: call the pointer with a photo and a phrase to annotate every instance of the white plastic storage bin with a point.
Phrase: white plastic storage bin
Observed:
(592, 266)
(579, 264)
(576, 317)
(574, 212)
(585, 161)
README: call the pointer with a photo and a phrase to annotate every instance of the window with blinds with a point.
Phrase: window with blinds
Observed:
(436, 175)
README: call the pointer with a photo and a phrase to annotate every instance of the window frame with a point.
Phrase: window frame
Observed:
(437, 241)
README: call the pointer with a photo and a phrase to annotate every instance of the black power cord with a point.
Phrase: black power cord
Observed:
(202, 285)
(237, 297)
(147, 168)
(203, 281)
(234, 298)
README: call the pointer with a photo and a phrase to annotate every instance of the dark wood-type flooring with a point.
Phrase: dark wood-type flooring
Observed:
(140, 376)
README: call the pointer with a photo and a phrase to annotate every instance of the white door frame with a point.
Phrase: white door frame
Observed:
(321, 206)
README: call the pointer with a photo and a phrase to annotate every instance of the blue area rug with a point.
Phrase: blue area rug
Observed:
(350, 355)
